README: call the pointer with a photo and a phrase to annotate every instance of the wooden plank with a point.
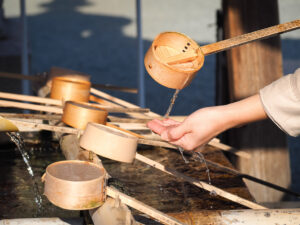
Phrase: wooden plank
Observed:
(251, 67)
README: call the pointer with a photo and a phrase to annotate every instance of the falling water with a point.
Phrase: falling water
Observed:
(199, 155)
(172, 103)
(201, 158)
(181, 150)
(17, 139)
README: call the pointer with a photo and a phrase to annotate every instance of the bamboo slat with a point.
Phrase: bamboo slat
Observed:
(200, 184)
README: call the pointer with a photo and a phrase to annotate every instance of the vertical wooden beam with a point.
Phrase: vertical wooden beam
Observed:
(251, 67)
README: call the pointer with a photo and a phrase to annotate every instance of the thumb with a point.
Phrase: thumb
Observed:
(175, 132)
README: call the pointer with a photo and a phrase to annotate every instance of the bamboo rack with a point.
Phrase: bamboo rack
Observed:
(154, 164)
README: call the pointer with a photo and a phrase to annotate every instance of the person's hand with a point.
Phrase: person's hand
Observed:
(196, 130)
(204, 124)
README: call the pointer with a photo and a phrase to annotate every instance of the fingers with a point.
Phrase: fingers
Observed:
(176, 132)
(156, 126)
(170, 122)
(170, 130)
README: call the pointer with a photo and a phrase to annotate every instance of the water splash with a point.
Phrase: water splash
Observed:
(201, 158)
(175, 95)
(181, 150)
(18, 140)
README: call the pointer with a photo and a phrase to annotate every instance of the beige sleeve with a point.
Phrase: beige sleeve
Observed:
(281, 101)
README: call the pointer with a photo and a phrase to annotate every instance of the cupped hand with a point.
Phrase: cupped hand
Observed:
(195, 131)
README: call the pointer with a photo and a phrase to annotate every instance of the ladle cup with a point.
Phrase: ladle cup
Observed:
(70, 89)
(75, 185)
(79, 114)
(173, 58)
(109, 142)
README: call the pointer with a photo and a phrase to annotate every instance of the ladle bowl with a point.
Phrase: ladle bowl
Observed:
(109, 142)
(79, 114)
(74, 184)
(173, 60)
(70, 89)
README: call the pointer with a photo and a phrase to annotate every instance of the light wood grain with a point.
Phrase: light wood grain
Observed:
(250, 37)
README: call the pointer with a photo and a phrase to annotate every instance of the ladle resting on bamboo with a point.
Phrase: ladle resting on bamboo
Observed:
(159, 166)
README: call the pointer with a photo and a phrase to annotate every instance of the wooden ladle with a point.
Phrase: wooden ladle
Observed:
(174, 59)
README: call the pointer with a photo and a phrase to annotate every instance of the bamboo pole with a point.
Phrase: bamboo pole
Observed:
(32, 116)
(240, 217)
(142, 207)
(160, 143)
(152, 163)
(152, 115)
(41, 126)
(76, 152)
(200, 184)
(252, 178)
(123, 103)
(15, 104)
(29, 98)
(20, 105)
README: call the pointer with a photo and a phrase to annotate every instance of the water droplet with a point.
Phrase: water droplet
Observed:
(213, 193)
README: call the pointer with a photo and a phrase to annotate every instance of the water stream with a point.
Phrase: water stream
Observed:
(17, 139)
(171, 103)
(199, 155)
(201, 159)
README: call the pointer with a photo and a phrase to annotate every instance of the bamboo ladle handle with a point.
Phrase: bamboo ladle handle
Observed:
(249, 37)
(154, 164)
(235, 41)
(124, 130)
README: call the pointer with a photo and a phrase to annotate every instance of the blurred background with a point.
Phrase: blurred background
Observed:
(99, 38)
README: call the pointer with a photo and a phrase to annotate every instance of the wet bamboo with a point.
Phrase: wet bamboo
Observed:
(78, 153)
(249, 177)
(241, 216)
(52, 109)
(200, 184)
(142, 207)
(152, 115)
(149, 162)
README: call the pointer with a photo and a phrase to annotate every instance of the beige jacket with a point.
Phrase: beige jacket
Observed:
(281, 101)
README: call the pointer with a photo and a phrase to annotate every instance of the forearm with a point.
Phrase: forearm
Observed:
(245, 111)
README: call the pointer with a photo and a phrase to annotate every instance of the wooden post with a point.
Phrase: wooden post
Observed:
(251, 67)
